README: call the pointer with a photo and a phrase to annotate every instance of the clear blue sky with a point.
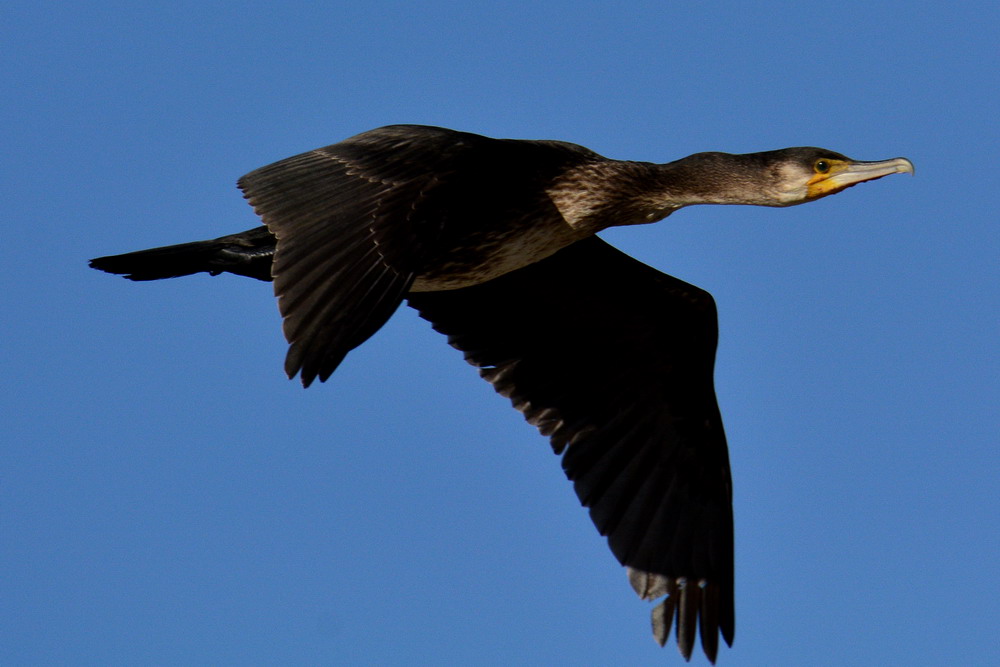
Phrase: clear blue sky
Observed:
(168, 497)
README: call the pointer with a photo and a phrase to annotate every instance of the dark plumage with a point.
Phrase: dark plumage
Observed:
(492, 241)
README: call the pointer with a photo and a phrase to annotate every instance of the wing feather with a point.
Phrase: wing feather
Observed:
(353, 222)
(613, 360)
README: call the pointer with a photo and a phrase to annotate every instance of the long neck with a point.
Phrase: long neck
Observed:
(609, 193)
(715, 178)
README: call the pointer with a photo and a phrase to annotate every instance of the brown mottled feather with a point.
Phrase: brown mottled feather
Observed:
(357, 221)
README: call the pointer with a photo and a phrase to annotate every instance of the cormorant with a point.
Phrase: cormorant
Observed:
(493, 241)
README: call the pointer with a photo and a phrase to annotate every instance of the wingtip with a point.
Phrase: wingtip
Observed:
(691, 608)
(305, 377)
(293, 368)
(663, 619)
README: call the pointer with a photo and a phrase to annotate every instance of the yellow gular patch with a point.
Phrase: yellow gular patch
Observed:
(830, 176)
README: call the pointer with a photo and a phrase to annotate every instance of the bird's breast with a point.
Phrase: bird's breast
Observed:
(490, 253)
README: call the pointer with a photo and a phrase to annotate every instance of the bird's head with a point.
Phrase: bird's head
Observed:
(772, 178)
(800, 175)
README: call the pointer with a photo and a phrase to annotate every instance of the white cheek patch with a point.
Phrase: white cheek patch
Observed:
(792, 185)
(793, 195)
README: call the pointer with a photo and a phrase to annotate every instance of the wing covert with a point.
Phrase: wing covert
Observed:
(352, 221)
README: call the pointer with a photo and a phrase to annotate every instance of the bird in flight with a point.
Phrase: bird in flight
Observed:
(494, 242)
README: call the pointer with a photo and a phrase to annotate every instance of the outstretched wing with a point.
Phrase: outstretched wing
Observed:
(613, 361)
(352, 222)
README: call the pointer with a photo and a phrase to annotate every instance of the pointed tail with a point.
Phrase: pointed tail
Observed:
(248, 253)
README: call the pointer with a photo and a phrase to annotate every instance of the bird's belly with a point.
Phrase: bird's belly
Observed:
(491, 256)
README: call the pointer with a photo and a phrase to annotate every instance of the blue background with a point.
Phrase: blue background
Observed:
(168, 497)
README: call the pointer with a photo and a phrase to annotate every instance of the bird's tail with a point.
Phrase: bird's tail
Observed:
(248, 253)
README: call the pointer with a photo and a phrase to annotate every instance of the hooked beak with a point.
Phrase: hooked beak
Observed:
(846, 174)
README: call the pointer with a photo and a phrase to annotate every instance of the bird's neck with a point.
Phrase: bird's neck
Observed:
(603, 194)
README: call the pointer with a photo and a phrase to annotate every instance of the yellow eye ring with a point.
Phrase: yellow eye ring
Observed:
(821, 166)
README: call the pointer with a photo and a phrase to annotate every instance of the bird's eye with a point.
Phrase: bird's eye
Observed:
(821, 166)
